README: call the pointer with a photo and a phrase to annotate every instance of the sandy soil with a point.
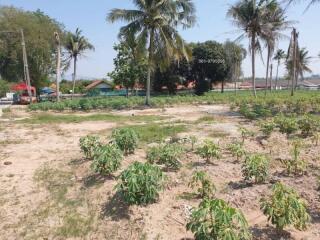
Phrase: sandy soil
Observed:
(28, 211)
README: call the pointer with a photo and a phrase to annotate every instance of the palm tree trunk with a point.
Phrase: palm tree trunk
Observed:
(253, 52)
(277, 77)
(267, 74)
(58, 71)
(74, 75)
(150, 59)
(271, 75)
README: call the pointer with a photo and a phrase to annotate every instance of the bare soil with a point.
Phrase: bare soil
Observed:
(71, 202)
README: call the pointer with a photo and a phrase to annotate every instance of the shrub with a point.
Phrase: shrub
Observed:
(126, 139)
(287, 125)
(245, 133)
(107, 159)
(285, 208)
(167, 154)
(205, 187)
(88, 145)
(216, 220)
(308, 125)
(257, 167)
(140, 183)
(193, 141)
(316, 138)
(295, 165)
(237, 150)
(267, 127)
(209, 150)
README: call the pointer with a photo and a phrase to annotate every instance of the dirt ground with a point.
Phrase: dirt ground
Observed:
(48, 191)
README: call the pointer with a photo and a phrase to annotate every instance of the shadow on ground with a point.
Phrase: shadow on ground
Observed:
(116, 209)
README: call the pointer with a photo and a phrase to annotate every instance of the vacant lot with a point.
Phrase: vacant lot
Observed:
(48, 190)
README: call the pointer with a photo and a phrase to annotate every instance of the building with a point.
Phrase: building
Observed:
(101, 86)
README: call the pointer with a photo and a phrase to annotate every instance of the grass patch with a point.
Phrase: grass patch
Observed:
(48, 118)
(10, 142)
(206, 119)
(218, 134)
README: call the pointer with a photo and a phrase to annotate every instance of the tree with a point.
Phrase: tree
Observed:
(209, 65)
(280, 55)
(311, 2)
(154, 23)
(58, 71)
(250, 17)
(76, 45)
(4, 88)
(129, 67)
(41, 50)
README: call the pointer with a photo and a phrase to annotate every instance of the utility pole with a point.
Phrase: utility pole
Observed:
(25, 66)
(58, 76)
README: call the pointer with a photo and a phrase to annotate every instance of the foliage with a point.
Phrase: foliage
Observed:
(201, 181)
(287, 125)
(316, 138)
(308, 125)
(193, 140)
(245, 133)
(256, 166)
(295, 165)
(267, 127)
(140, 183)
(237, 150)
(216, 220)
(209, 150)
(167, 154)
(285, 208)
(107, 159)
(89, 144)
(38, 30)
(127, 139)
(4, 88)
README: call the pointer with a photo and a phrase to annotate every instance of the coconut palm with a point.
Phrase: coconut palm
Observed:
(250, 17)
(310, 2)
(280, 55)
(76, 45)
(154, 23)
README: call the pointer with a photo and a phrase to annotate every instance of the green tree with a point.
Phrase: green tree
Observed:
(4, 88)
(76, 45)
(38, 30)
(279, 55)
(155, 25)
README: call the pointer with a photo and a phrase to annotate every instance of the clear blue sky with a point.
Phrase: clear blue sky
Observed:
(212, 25)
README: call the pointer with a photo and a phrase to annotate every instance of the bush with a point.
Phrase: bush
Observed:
(205, 187)
(88, 144)
(216, 220)
(107, 159)
(141, 183)
(237, 150)
(316, 138)
(4, 88)
(257, 167)
(209, 150)
(126, 139)
(245, 133)
(308, 125)
(285, 208)
(295, 165)
(287, 125)
(267, 127)
(193, 141)
(168, 154)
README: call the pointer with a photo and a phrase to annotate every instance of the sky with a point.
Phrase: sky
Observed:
(212, 24)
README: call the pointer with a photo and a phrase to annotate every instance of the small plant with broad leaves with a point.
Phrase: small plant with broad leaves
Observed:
(295, 165)
(214, 219)
(127, 139)
(237, 150)
(315, 138)
(308, 125)
(140, 183)
(166, 154)
(267, 127)
(193, 141)
(201, 181)
(245, 133)
(285, 208)
(209, 150)
(287, 125)
(88, 144)
(256, 166)
(107, 159)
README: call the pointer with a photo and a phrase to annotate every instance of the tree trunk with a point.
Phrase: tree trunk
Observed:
(253, 52)
(271, 76)
(222, 87)
(74, 75)
(58, 66)
(150, 59)
(267, 74)
(277, 77)
(294, 60)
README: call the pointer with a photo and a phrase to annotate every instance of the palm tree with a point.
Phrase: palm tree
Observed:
(76, 45)
(154, 23)
(311, 2)
(250, 17)
(280, 55)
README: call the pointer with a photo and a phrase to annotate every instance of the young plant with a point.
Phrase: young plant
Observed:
(245, 133)
(88, 145)
(237, 150)
(127, 139)
(140, 183)
(193, 141)
(201, 181)
(316, 138)
(256, 167)
(267, 127)
(209, 150)
(168, 155)
(107, 159)
(287, 125)
(308, 125)
(285, 208)
(216, 220)
(295, 165)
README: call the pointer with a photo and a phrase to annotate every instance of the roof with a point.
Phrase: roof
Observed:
(96, 83)
(22, 87)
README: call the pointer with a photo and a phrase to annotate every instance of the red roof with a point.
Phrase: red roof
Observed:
(22, 87)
